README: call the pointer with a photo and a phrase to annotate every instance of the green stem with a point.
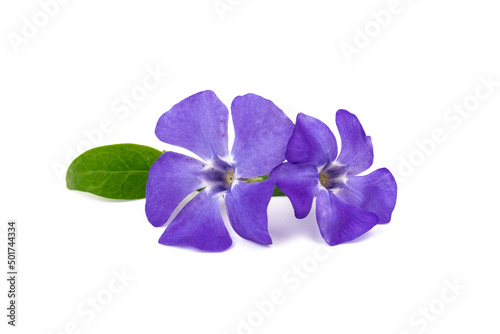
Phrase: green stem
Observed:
(277, 191)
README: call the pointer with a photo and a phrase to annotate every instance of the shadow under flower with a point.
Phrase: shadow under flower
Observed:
(283, 226)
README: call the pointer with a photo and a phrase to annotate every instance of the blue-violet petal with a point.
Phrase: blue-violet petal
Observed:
(246, 205)
(199, 224)
(311, 142)
(340, 221)
(375, 192)
(357, 149)
(300, 183)
(262, 131)
(171, 178)
(197, 123)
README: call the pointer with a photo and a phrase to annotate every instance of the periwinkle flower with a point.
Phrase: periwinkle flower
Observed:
(347, 205)
(200, 124)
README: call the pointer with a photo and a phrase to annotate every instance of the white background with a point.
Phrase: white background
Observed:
(65, 79)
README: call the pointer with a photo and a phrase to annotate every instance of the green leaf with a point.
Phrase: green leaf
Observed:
(114, 171)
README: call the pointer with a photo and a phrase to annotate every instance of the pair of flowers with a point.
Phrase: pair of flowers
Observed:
(347, 205)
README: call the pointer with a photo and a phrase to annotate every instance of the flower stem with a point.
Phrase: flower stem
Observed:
(277, 191)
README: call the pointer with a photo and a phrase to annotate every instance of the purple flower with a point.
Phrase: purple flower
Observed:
(347, 205)
(200, 124)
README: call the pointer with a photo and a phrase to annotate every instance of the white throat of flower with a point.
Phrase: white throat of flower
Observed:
(333, 177)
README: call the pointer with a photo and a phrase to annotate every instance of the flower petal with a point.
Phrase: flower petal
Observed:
(340, 221)
(199, 224)
(197, 123)
(300, 183)
(357, 149)
(311, 142)
(375, 192)
(171, 178)
(246, 205)
(262, 132)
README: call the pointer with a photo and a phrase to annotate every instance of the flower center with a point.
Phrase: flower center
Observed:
(333, 176)
(230, 177)
(323, 179)
(218, 175)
